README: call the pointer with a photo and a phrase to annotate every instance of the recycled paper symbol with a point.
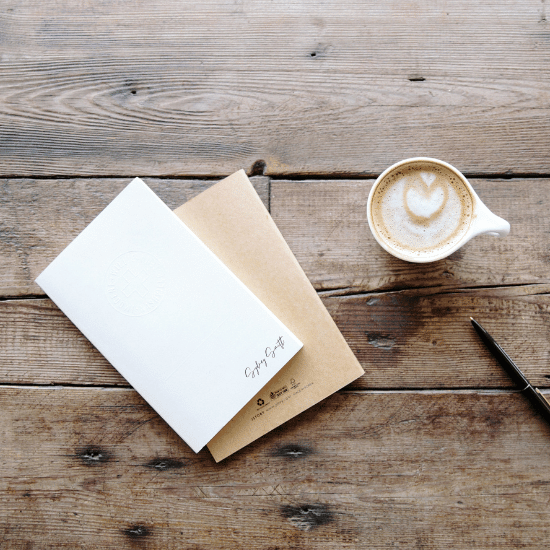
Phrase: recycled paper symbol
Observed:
(260, 402)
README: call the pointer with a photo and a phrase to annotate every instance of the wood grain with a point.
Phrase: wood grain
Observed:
(170, 88)
(432, 448)
(40, 217)
(92, 468)
(323, 221)
(406, 339)
(41, 346)
(325, 225)
(412, 339)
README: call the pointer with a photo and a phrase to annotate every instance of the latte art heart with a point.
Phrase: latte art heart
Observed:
(424, 202)
(421, 209)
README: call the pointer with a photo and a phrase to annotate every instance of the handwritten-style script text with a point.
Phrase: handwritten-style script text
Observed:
(270, 353)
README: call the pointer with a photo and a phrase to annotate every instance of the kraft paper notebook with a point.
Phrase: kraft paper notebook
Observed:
(168, 314)
(232, 221)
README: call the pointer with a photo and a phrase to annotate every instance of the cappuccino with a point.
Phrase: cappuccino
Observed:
(420, 210)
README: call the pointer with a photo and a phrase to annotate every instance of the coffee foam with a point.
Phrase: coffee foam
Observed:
(422, 209)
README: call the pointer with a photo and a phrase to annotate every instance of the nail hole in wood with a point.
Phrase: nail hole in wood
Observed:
(137, 531)
(258, 168)
(92, 456)
(382, 341)
(293, 451)
(309, 516)
(163, 464)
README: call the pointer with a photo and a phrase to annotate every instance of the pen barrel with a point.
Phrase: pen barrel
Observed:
(534, 394)
(538, 399)
(505, 361)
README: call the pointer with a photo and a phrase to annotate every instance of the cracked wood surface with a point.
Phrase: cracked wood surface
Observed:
(323, 221)
(364, 469)
(325, 224)
(206, 88)
(433, 447)
(40, 217)
(360, 470)
(406, 339)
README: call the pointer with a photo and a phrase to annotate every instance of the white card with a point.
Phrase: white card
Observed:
(168, 314)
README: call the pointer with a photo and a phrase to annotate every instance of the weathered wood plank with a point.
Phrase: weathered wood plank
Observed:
(325, 225)
(413, 339)
(172, 88)
(323, 221)
(39, 218)
(92, 468)
(41, 346)
(407, 339)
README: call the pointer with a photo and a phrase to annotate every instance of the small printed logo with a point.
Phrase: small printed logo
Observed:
(277, 393)
(260, 402)
(135, 283)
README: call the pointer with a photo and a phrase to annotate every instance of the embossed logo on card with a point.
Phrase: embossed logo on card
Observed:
(135, 283)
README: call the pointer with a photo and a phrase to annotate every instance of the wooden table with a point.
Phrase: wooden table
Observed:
(432, 448)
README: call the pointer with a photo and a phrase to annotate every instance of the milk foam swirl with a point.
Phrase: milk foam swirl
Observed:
(422, 209)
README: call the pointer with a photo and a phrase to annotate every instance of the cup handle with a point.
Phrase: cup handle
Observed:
(487, 223)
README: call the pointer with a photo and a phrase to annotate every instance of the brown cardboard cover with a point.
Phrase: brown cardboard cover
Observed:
(232, 221)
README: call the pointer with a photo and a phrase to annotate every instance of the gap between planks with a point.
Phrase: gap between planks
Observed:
(535, 289)
(282, 177)
(397, 391)
(541, 289)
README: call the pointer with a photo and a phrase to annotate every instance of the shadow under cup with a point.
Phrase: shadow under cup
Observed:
(421, 209)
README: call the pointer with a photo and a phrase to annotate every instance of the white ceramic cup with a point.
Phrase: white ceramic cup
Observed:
(451, 206)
